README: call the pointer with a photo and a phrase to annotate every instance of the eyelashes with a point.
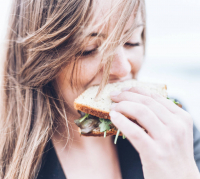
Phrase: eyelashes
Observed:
(90, 52)
(93, 51)
(132, 44)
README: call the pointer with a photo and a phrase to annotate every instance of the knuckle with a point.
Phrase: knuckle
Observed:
(141, 110)
(140, 90)
(121, 105)
(163, 155)
(119, 119)
(188, 119)
(144, 91)
(134, 135)
(159, 155)
(189, 123)
(155, 96)
(124, 95)
(135, 89)
(181, 131)
(168, 142)
(147, 101)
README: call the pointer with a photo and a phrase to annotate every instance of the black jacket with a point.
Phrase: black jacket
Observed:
(130, 164)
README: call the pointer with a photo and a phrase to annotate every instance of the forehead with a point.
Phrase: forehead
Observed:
(104, 7)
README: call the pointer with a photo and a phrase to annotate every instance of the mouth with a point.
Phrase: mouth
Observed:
(115, 80)
(81, 113)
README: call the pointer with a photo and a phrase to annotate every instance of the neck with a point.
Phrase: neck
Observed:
(87, 154)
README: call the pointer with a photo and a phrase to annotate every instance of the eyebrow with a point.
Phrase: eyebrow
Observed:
(95, 34)
(140, 25)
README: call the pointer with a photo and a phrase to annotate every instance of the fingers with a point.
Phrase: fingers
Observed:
(160, 99)
(143, 115)
(159, 110)
(137, 136)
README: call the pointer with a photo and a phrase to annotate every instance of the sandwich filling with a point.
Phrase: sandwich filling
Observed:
(87, 123)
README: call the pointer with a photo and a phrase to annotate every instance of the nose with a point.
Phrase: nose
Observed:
(121, 66)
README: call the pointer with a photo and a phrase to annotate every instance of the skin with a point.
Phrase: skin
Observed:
(89, 155)
(170, 136)
(169, 139)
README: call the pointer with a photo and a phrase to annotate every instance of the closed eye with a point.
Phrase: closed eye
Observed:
(132, 44)
(89, 52)
(86, 52)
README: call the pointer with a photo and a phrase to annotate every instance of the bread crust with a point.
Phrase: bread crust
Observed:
(93, 111)
(96, 112)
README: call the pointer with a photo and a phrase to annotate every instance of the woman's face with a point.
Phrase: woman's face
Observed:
(126, 64)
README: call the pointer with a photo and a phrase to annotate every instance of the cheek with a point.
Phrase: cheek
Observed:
(79, 74)
(64, 88)
(89, 67)
(83, 73)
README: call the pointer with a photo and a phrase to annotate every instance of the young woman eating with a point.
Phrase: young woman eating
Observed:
(57, 49)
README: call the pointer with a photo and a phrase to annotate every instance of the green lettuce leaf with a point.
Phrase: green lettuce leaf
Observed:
(83, 118)
(105, 124)
(116, 137)
(173, 100)
(104, 134)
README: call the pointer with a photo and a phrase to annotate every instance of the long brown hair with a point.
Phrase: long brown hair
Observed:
(43, 37)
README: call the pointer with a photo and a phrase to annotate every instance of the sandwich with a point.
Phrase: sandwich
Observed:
(95, 119)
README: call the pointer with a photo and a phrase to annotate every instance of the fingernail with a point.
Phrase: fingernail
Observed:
(115, 93)
(113, 114)
(126, 89)
(113, 105)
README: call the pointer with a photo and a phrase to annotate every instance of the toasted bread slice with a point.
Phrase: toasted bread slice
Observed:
(100, 107)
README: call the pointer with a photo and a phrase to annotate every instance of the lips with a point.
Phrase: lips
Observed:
(81, 113)
(114, 80)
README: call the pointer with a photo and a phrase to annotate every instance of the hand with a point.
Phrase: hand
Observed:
(166, 150)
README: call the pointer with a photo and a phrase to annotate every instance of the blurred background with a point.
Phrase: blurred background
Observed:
(173, 48)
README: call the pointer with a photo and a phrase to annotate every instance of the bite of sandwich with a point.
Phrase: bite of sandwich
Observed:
(95, 119)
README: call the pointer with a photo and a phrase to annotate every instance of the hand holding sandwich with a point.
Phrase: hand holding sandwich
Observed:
(166, 149)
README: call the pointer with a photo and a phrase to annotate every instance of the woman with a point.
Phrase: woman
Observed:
(56, 50)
